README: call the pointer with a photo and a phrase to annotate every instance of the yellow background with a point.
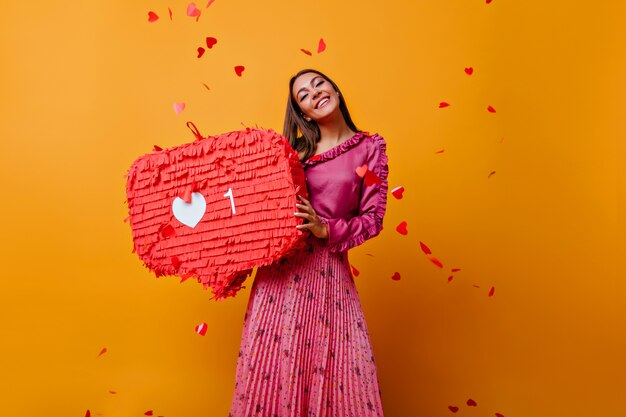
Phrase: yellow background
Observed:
(87, 87)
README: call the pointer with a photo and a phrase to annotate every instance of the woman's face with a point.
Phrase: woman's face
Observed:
(316, 96)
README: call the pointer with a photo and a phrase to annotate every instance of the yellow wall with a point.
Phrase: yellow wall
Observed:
(87, 87)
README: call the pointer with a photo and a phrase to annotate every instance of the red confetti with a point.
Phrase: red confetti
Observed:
(450, 278)
(239, 69)
(471, 403)
(443, 104)
(209, 3)
(469, 70)
(321, 46)
(362, 170)
(488, 1)
(152, 17)
(176, 262)
(476, 286)
(425, 248)
(200, 51)
(193, 11)
(490, 174)
(157, 148)
(492, 291)
(499, 415)
(440, 151)
(102, 352)
(306, 52)
(168, 231)
(207, 87)
(179, 107)
(456, 269)
(112, 392)
(491, 109)
(396, 276)
(201, 329)
(88, 413)
(453, 408)
(186, 195)
(210, 42)
(355, 271)
(397, 192)
(435, 261)
(170, 10)
(401, 228)
(371, 178)
(126, 219)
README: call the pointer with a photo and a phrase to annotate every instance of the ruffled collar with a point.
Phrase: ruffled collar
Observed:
(336, 150)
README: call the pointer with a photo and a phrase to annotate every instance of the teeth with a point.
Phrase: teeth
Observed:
(322, 101)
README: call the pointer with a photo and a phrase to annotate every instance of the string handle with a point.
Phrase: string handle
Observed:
(194, 130)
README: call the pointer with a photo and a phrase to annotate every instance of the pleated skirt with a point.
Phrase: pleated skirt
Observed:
(305, 348)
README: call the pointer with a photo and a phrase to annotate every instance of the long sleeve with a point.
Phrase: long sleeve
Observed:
(345, 234)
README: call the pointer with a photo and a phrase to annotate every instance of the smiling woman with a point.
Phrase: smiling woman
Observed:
(305, 348)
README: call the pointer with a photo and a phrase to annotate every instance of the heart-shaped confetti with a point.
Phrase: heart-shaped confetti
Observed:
(148, 413)
(435, 261)
(396, 276)
(200, 51)
(498, 414)
(209, 3)
(321, 46)
(152, 17)
(397, 192)
(179, 107)
(192, 10)
(201, 329)
(210, 41)
(488, 1)
(168, 231)
(88, 413)
(176, 262)
(469, 71)
(401, 228)
(425, 248)
(360, 171)
(189, 214)
(306, 52)
(471, 403)
(492, 291)
(453, 408)
(450, 278)
(239, 69)
(371, 178)
(491, 109)
(355, 271)
(157, 148)
(443, 104)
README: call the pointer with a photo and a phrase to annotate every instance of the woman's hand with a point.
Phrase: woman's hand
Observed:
(314, 224)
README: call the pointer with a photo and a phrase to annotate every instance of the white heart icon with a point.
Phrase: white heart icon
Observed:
(189, 214)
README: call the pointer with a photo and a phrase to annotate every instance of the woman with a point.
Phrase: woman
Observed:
(305, 348)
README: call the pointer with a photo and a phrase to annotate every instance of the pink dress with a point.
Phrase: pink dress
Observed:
(305, 349)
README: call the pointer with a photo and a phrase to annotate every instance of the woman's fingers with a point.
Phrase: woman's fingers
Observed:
(305, 215)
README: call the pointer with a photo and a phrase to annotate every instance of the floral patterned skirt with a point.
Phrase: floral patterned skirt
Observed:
(305, 349)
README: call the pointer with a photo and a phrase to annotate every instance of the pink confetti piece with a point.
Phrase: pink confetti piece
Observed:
(170, 12)
(491, 109)
(397, 192)
(471, 403)
(306, 52)
(88, 413)
(102, 352)
(321, 46)
(453, 408)
(152, 17)
(210, 41)
(425, 248)
(435, 261)
(469, 70)
(492, 291)
(396, 276)
(239, 70)
(450, 278)
(401, 228)
(443, 104)
(179, 107)
(209, 3)
(200, 51)
(355, 271)
(455, 269)
(192, 10)
(361, 171)
(201, 329)
(490, 174)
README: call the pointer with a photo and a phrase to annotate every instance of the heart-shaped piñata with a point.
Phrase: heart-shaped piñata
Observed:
(217, 207)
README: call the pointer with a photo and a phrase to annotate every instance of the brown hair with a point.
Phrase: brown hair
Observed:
(295, 122)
